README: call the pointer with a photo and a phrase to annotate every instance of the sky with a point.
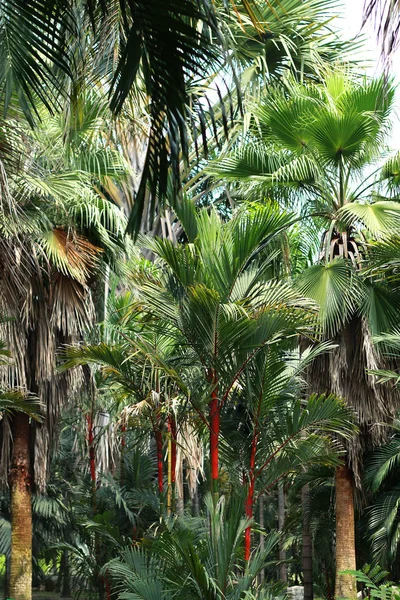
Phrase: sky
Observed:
(351, 22)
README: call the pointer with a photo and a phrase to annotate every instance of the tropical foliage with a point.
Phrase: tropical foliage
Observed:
(199, 260)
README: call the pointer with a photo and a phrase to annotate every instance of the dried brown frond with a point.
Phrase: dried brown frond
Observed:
(344, 372)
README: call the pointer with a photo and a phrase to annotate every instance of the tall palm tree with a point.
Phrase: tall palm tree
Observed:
(55, 227)
(280, 434)
(319, 147)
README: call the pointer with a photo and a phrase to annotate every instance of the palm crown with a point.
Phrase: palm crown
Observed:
(318, 146)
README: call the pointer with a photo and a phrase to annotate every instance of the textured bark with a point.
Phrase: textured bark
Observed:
(344, 372)
(281, 525)
(195, 501)
(21, 511)
(307, 557)
(345, 586)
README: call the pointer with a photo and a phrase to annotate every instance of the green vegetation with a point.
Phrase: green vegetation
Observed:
(199, 302)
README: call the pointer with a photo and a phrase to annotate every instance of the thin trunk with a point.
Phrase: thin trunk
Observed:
(21, 511)
(107, 587)
(214, 443)
(92, 460)
(158, 436)
(281, 525)
(195, 501)
(179, 503)
(262, 541)
(123, 450)
(307, 545)
(250, 497)
(345, 585)
(172, 458)
(66, 578)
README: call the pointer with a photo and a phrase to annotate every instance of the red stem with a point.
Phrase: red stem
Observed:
(215, 413)
(107, 586)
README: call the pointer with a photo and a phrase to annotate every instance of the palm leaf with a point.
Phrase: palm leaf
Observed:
(333, 285)
(381, 218)
(31, 44)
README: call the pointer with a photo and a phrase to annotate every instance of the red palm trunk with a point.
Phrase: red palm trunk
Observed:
(173, 433)
(215, 413)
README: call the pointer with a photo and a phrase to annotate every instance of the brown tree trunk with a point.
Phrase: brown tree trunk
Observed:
(307, 545)
(21, 511)
(281, 525)
(345, 585)
(66, 576)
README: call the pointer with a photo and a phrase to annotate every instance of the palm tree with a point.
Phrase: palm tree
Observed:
(216, 297)
(54, 228)
(282, 434)
(320, 147)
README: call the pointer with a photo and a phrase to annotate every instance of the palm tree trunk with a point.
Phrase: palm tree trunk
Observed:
(345, 585)
(21, 511)
(122, 454)
(250, 497)
(195, 501)
(66, 576)
(214, 441)
(92, 460)
(262, 541)
(172, 458)
(307, 545)
(160, 476)
(281, 525)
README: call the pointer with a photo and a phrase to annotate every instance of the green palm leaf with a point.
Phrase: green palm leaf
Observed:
(31, 44)
(335, 288)
(381, 218)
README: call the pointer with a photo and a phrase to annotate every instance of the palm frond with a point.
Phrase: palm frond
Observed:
(333, 285)
(31, 45)
(381, 218)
